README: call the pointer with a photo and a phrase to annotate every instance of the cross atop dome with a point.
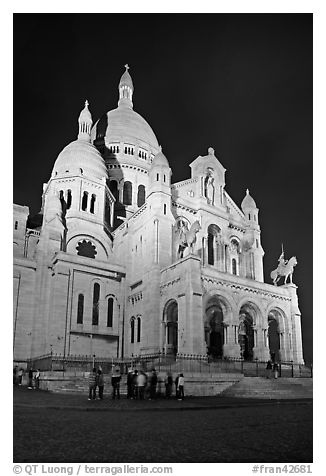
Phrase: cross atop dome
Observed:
(127, 67)
(86, 103)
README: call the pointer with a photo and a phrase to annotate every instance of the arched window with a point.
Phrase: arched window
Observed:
(157, 177)
(96, 298)
(234, 266)
(92, 207)
(138, 329)
(127, 193)
(132, 330)
(164, 208)
(84, 201)
(113, 186)
(80, 309)
(16, 225)
(109, 322)
(212, 232)
(210, 246)
(141, 195)
(164, 178)
(69, 199)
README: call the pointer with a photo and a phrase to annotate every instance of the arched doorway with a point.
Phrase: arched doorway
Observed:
(246, 336)
(274, 335)
(171, 328)
(214, 328)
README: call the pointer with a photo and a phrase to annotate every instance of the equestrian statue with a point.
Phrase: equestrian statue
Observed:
(187, 238)
(285, 268)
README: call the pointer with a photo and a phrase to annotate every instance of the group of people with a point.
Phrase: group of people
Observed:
(18, 375)
(139, 385)
(33, 377)
(96, 381)
(271, 369)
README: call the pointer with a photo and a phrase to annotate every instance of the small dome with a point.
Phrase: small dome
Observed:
(248, 202)
(80, 157)
(160, 160)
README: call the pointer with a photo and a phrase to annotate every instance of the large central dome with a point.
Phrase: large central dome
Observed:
(123, 125)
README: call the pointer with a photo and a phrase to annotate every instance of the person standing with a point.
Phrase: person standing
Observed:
(15, 375)
(115, 381)
(30, 379)
(275, 370)
(141, 384)
(20, 376)
(134, 385)
(168, 385)
(176, 383)
(100, 383)
(269, 368)
(181, 384)
(92, 385)
(153, 385)
(37, 379)
(129, 384)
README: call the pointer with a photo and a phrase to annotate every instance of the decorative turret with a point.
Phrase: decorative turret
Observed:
(160, 174)
(249, 208)
(251, 242)
(85, 124)
(126, 90)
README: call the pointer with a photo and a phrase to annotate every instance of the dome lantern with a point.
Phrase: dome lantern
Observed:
(85, 124)
(126, 89)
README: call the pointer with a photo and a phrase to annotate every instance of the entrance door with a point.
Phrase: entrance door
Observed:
(171, 323)
(273, 339)
(214, 329)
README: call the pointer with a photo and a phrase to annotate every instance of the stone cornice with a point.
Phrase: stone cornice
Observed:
(243, 287)
(184, 182)
(81, 262)
(184, 207)
(169, 283)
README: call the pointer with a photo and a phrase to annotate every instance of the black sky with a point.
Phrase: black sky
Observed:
(241, 83)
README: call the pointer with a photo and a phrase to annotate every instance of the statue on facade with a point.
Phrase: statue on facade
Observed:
(187, 239)
(285, 268)
(209, 186)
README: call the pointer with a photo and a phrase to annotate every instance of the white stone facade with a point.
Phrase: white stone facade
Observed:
(109, 273)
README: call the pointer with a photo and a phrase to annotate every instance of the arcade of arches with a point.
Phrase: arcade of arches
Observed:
(222, 330)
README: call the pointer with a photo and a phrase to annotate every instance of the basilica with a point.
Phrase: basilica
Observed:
(124, 262)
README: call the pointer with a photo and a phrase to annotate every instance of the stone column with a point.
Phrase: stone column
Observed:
(226, 258)
(261, 351)
(204, 251)
(296, 324)
(231, 347)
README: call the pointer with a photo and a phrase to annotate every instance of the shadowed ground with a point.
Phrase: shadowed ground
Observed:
(68, 428)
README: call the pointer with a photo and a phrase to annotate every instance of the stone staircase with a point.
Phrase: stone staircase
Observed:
(197, 384)
(260, 387)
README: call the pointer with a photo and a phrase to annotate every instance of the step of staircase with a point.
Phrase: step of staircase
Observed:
(259, 387)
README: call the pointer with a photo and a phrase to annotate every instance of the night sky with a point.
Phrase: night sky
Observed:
(240, 83)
